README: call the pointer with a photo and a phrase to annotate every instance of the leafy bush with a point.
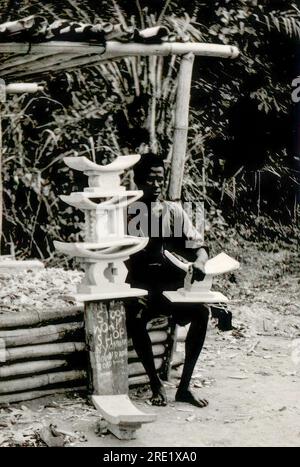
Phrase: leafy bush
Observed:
(240, 156)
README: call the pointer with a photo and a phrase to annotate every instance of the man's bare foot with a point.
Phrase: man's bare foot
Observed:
(190, 398)
(159, 397)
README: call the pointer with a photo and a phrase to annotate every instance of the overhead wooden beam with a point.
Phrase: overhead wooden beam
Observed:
(171, 48)
(61, 56)
(116, 49)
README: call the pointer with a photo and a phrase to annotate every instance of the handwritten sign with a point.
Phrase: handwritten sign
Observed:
(107, 337)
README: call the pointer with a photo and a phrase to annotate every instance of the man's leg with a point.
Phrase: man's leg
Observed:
(136, 327)
(198, 316)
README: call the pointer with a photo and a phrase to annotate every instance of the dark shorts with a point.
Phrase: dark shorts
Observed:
(151, 307)
(158, 279)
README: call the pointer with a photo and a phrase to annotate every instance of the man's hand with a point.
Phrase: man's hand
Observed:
(199, 266)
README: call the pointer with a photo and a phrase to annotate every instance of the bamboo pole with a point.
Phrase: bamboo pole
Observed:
(137, 380)
(23, 88)
(36, 317)
(30, 395)
(17, 266)
(70, 348)
(1, 181)
(42, 335)
(32, 368)
(45, 350)
(181, 126)
(30, 352)
(156, 337)
(82, 58)
(157, 350)
(33, 382)
(16, 88)
(136, 369)
(116, 49)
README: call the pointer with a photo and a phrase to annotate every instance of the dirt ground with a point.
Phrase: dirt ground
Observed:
(249, 375)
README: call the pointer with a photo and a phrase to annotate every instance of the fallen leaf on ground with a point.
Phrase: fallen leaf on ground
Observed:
(50, 439)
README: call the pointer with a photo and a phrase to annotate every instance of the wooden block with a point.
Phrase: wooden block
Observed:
(203, 297)
(16, 265)
(128, 293)
(119, 410)
(126, 432)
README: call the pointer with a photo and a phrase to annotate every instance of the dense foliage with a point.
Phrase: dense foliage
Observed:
(241, 155)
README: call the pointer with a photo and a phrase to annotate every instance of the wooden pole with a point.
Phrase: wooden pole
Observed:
(26, 396)
(45, 334)
(2, 101)
(39, 381)
(30, 352)
(137, 369)
(40, 317)
(14, 88)
(116, 49)
(31, 368)
(181, 126)
(1, 183)
(157, 349)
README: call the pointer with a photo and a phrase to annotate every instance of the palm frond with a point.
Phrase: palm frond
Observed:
(288, 23)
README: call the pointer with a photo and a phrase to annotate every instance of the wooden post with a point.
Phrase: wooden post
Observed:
(1, 183)
(2, 100)
(181, 126)
(106, 337)
(14, 88)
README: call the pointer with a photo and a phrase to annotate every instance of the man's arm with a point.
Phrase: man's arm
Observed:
(199, 264)
(196, 242)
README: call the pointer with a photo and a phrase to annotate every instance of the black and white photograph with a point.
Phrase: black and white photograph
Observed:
(149, 226)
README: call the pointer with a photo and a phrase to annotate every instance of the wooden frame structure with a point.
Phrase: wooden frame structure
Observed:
(35, 60)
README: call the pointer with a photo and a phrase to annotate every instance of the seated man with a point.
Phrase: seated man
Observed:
(169, 228)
